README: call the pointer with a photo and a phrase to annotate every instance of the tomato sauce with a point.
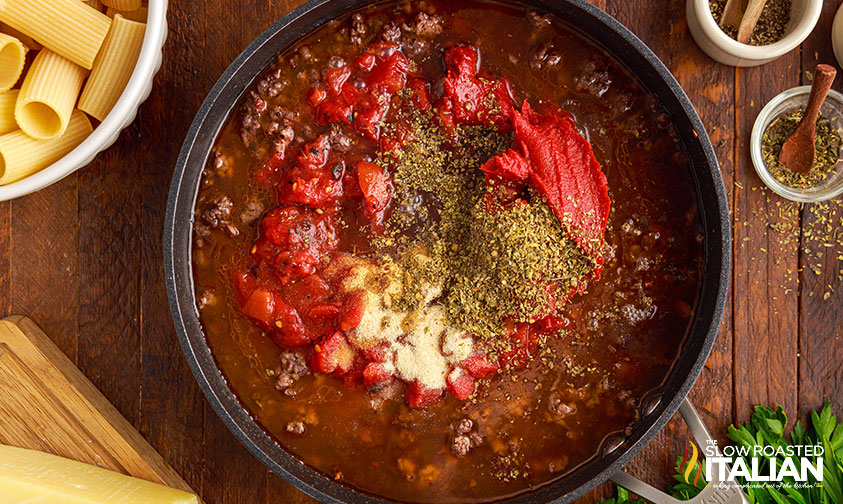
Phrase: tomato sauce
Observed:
(298, 198)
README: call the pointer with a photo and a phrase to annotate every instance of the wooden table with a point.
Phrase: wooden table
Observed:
(84, 259)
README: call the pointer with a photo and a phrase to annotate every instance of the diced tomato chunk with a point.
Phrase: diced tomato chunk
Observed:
(365, 61)
(334, 355)
(376, 353)
(327, 311)
(475, 100)
(245, 283)
(316, 95)
(297, 228)
(376, 185)
(390, 75)
(420, 396)
(261, 306)
(551, 323)
(479, 366)
(336, 78)
(462, 385)
(289, 331)
(292, 265)
(421, 97)
(375, 373)
(353, 309)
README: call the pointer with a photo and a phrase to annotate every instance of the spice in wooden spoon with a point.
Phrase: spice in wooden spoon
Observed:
(750, 19)
(798, 150)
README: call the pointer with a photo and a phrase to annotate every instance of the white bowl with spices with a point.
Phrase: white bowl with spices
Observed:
(831, 113)
(804, 15)
(122, 114)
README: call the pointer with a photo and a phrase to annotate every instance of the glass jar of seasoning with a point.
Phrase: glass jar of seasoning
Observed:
(783, 107)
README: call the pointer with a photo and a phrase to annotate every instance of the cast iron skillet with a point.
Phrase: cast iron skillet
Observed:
(656, 410)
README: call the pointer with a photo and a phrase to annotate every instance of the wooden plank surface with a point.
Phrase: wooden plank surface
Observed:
(83, 257)
(47, 404)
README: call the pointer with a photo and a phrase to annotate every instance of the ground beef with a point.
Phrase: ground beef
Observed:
(358, 28)
(218, 215)
(291, 367)
(545, 56)
(425, 25)
(595, 79)
(339, 141)
(220, 166)
(249, 129)
(460, 445)
(537, 20)
(205, 299)
(271, 85)
(203, 232)
(254, 209)
(391, 32)
(464, 439)
(297, 428)
(559, 407)
(464, 426)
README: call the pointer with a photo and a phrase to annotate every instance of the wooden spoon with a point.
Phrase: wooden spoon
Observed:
(798, 151)
(750, 19)
(732, 13)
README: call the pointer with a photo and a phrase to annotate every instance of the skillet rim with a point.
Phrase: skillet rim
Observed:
(717, 256)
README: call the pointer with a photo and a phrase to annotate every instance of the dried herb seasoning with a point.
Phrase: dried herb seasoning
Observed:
(492, 266)
(771, 24)
(826, 154)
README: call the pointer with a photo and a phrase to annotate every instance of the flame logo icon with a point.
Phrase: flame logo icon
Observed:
(687, 466)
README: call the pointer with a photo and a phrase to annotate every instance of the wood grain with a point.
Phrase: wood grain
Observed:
(109, 311)
(766, 302)
(172, 406)
(84, 256)
(47, 404)
(821, 318)
(45, 252)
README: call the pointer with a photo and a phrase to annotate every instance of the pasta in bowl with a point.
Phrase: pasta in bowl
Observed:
(93, 66)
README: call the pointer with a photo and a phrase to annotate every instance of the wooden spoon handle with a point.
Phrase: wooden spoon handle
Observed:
(823, 77)
(750, 18)
(732, 13)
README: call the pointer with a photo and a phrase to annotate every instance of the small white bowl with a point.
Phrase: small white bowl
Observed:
(713, 41)
(786, 102)
(837, 35)
(123, 113)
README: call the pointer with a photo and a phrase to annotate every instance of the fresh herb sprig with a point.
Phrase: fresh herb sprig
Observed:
(766, 428)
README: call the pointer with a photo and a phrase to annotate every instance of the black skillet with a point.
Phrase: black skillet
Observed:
(657, 408)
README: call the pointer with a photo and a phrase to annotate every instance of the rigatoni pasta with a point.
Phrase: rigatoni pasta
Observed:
(84, 60)
(12, 58)
(96, 4)
(48, 95)
(69, 28)
(138, 15)
(113, 67)
(22, 155)
(25, 39)
(7, 111)
(123, 5)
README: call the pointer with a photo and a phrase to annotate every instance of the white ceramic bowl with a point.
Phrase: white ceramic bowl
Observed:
(837, 35)
(123, 113)
(720, 47)
(786, 102)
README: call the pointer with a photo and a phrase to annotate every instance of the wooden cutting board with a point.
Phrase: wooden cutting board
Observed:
(47, 404)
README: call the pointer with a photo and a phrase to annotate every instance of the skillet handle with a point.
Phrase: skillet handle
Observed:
(721, 492)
